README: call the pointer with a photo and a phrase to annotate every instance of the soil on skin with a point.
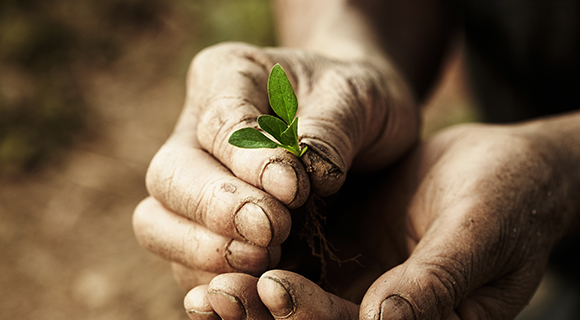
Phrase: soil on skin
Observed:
(66, 241)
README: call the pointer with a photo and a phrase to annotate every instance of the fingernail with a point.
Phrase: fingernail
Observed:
(278, 301)
(253, 224)
(229, 306)
(396, 308)
(197, 303)
(248, 258)
(280, 180)
(324, 166)
(196, 314)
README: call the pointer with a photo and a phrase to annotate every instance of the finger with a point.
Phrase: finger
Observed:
(347, 111)
(454, 257)
(178, 239)
(197, 305)
(288, 295)
(234, 296)
(193, 184)
(234, 81)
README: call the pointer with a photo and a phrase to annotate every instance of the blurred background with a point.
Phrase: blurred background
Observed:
(89, 90)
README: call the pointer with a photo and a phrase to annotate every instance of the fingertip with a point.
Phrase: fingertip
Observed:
(235, 296)
(280, 219)
(264, 223)
(396, 308)
(197, 304)
(229, 306)
(246, 257)
(288, 295)
(253, 224)
(275, 296)
(287, 182)
(325, 167)
(279, 180)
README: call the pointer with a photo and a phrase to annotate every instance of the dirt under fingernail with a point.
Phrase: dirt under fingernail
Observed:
(324, 167)
(395, 307)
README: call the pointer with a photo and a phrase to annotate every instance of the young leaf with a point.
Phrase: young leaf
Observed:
(274, 126)
(251, 138)
(290, 135)
(294, 151)
(281, 95)
(285, 130)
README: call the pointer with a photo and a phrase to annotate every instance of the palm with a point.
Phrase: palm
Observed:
(363, 237)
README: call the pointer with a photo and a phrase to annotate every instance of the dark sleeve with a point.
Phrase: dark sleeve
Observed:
(523, 56)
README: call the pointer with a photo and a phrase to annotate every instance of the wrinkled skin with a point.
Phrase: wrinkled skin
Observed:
(476, 209)
(461, 227)
(215, 208)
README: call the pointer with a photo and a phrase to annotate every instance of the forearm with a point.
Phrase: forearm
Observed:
(410, 35)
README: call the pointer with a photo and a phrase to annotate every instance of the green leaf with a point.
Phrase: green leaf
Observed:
(294, 151)
(251, 138)
(281, 94)
(302, 151)
(290, 135)
(274, 126)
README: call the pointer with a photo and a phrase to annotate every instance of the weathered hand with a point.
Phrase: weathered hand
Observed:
(476, 210)
(216, 208)
(485, 206)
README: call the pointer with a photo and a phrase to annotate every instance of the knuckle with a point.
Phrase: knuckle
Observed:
(227, 54)
(514, 157)
(202, 210)
(222, 116)
(360, 93)
(168, 182)
(444, 281)
(160, 174)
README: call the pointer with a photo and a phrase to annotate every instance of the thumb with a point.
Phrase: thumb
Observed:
(414, 291)
(349, 110)
(452, 276)
(355, 117)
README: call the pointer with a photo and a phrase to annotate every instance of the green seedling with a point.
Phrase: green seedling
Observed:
(284, 129)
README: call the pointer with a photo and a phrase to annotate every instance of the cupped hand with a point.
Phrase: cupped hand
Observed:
(216, 208)
(473, 213)
(485, 205)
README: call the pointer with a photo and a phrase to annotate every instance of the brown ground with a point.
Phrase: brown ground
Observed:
(67, 249)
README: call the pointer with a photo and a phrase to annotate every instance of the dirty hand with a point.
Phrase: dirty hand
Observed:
(475, 210)
(215, 208)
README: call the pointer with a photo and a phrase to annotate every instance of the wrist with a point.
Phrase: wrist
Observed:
(335, 29)
(558, 140)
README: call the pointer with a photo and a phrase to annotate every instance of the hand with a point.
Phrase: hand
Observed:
(477, 208)
(216, 208)
(485, 206)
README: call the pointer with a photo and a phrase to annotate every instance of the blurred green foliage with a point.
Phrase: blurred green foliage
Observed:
(46, 48)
